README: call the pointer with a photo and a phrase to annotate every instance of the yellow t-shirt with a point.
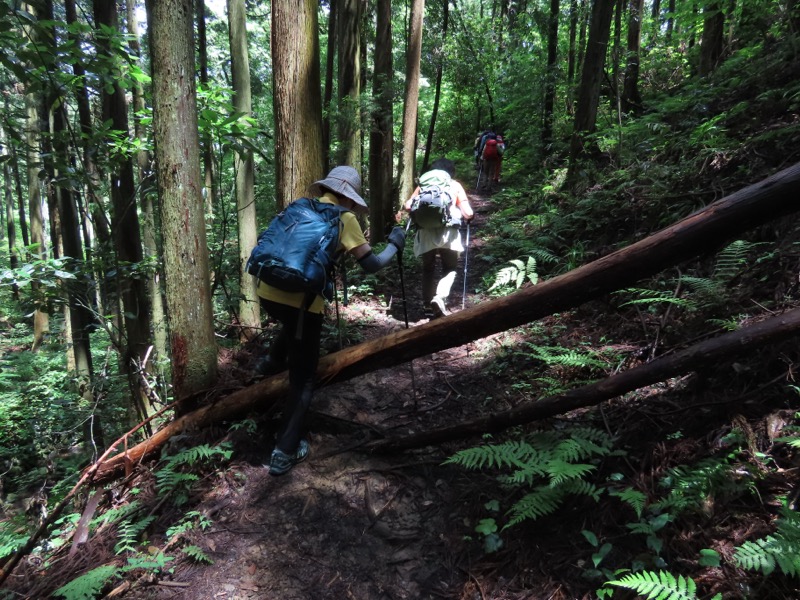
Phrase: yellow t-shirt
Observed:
(351, 237)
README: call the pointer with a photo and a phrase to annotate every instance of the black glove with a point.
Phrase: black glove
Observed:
(397, 237)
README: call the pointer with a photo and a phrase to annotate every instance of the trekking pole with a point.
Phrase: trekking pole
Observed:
(480, 172)
(402, 282)
(405, 314)
(466, 262)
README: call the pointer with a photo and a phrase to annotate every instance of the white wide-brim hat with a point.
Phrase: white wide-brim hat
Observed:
(344, 181)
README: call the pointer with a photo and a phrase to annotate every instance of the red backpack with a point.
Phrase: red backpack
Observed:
(490, 149)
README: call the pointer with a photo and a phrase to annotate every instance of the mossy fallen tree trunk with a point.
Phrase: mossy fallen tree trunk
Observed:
(701, 232)
(705, 353)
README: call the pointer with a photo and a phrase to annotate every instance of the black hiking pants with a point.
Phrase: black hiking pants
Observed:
(302, 356)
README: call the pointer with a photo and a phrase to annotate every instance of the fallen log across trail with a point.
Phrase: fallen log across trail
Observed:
(705, 353)
(699, 233)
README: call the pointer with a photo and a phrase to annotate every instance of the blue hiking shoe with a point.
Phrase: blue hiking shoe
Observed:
(281, 463)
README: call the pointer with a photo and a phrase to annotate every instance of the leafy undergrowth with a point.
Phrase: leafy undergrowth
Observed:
(684, 488)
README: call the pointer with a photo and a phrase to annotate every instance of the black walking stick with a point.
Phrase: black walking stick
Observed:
(402, 282)
(405, 315)
(466, 262)
(480, 171)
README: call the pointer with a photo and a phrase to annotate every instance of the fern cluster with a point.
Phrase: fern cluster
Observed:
(552, 465)
(659, 586)
(781, 550)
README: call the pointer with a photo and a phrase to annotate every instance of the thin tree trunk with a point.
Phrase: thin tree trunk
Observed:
(125, 221)
(8, 197)
(591, 77)
(713, 37)
(23, 221)
(41, 319)
(631, 99)
(697, 234)
(550, 75)
(186, 264)
(297, 105)
(329, 70)
(150, 246)
(244, 167)
(438, 92)
(209, 184)
(348, 43)
(410, 101)
(380, 145)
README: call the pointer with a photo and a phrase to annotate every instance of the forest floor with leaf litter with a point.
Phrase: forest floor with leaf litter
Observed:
(350, 524)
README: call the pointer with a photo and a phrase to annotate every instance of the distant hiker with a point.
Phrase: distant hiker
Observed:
(476, 148)
(442, 239)
(490, 155)
(301, 312)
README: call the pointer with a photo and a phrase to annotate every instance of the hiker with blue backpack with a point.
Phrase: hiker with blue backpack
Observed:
(294, 261)
(438, 207)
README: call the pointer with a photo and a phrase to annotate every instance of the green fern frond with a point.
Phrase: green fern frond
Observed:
(197, 555)
(538, 503)
(561, 471)
(648, 297)
(509, 454)
(579, 487)
(88, 585)
(634, 498)
(128, 532)
(732, 259)
(702, 286)
(547, 462)
(567, 357)
(781, 549)
(517, 274)
(658, 586)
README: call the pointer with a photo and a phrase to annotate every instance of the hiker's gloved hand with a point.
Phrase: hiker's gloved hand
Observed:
(397, 237)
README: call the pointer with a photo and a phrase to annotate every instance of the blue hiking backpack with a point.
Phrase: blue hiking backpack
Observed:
(298, 251)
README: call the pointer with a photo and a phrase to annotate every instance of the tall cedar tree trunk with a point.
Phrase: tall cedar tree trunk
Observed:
(147, 185)
(69, 220)
(698, 234)
(330, 62)
(64, 214)
(438, 92)
(298, 125)
(209, 181)
(100, 224)
(8, 197)
(188, 291)
(670, 22)
(572, 54)
(713, 37)
(41, 318)
(15, 162)
(380, 141)
(591, 78)
(100, 221)
(631, 99)
(348, 42)
(616, 51)
(551, 75)
(410, 101)
(249, 310)
(296, 100)
(125, 217)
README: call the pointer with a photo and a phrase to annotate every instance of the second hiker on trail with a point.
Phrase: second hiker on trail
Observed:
(437, 207)
(293, 260)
